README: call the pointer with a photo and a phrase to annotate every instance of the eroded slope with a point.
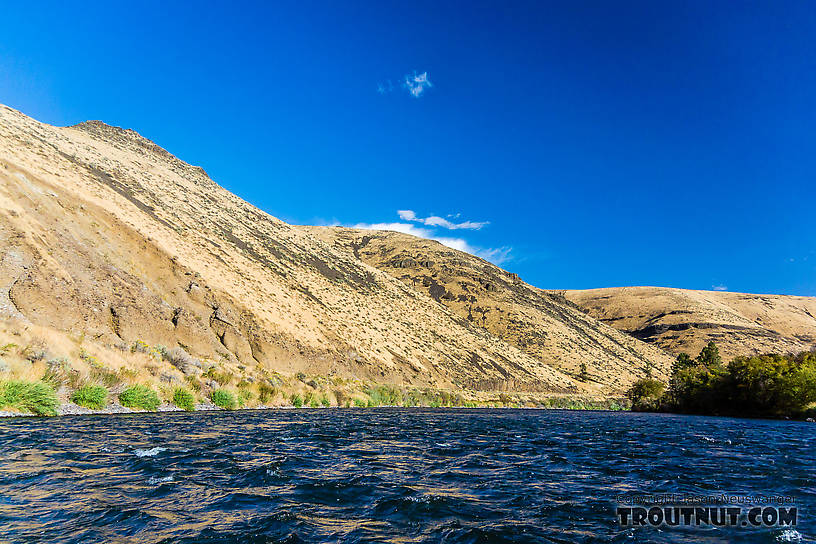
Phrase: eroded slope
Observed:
(680, 320)
(542, 323)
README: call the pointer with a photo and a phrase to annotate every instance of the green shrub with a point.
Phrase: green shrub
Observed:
(184, 399)
(324, 400)
(645, 394)
(297, 401)
(224, 399)
(94, 397)
(139, 396)
(36, 397)
(359, 403)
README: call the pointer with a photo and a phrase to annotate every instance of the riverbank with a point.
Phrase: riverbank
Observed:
(554, 403)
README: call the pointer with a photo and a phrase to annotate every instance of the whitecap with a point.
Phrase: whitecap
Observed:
(789, 535)
(153, 480)
(152, 452)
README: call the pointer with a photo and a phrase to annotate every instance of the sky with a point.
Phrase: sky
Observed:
(578, 144)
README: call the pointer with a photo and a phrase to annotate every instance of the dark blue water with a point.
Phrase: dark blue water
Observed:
(386, 475)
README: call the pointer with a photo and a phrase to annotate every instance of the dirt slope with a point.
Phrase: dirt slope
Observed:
(107, 238)
(682, 320)
(541, 323)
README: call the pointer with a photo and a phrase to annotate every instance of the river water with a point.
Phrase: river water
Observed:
(389, 475)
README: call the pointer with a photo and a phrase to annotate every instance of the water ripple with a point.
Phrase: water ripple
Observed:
(386, 475)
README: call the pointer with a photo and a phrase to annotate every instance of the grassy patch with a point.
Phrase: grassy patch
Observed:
(94, 397)
(224, 399)
(36, 397)
(244, 397)
(297, 401)
(266, 392)
(223, 378)
(139, 396)
(184, 399)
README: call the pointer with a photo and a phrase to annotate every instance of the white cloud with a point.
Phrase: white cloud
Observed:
(494, 255)
(720, 287)
(436, 221)
(417, 83)
(497, 255)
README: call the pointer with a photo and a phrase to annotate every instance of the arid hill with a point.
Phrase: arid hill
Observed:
(680, 320)
(541, 323)
(110, 244)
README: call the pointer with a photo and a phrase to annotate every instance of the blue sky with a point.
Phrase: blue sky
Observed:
(579, 144)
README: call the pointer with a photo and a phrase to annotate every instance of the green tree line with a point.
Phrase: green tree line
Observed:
(769, 385)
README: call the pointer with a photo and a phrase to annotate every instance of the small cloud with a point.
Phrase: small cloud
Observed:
(720, 287)
(436, 221)
(417, 83)
(496, 256)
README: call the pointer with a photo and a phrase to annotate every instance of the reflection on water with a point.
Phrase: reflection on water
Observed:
(385, 475)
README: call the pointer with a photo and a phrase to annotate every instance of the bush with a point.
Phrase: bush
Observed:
(324, 400)
(223, 378)
(645, 394)
(139, 396)
(36, 397)
(266, 392)
(94, 397)
(224, 399)
(184, 399)
(297, 401)
(244, 397)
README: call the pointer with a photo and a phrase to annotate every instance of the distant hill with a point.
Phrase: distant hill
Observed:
(680, 320)
(541, 323)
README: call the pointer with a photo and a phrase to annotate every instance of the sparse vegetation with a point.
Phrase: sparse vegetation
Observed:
(266, 392)
(222, 378)
(297, 401)
(244, 397)
(91, 396)
(140, 397)
(35, 397)
(224, 399)
(184, 399)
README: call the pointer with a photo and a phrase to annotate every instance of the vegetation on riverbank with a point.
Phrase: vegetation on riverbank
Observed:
(35, 397)
(770, 385)
(52, 376)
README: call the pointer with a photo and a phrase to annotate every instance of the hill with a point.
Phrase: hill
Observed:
(115, 252)
(680, 320)
(543, 324)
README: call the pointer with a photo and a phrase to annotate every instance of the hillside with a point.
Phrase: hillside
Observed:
(114, 250)
(541, 323)
(680, 320)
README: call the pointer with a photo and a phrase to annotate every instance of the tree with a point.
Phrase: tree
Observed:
(710, 356)
(683, 361)
(646, 394)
